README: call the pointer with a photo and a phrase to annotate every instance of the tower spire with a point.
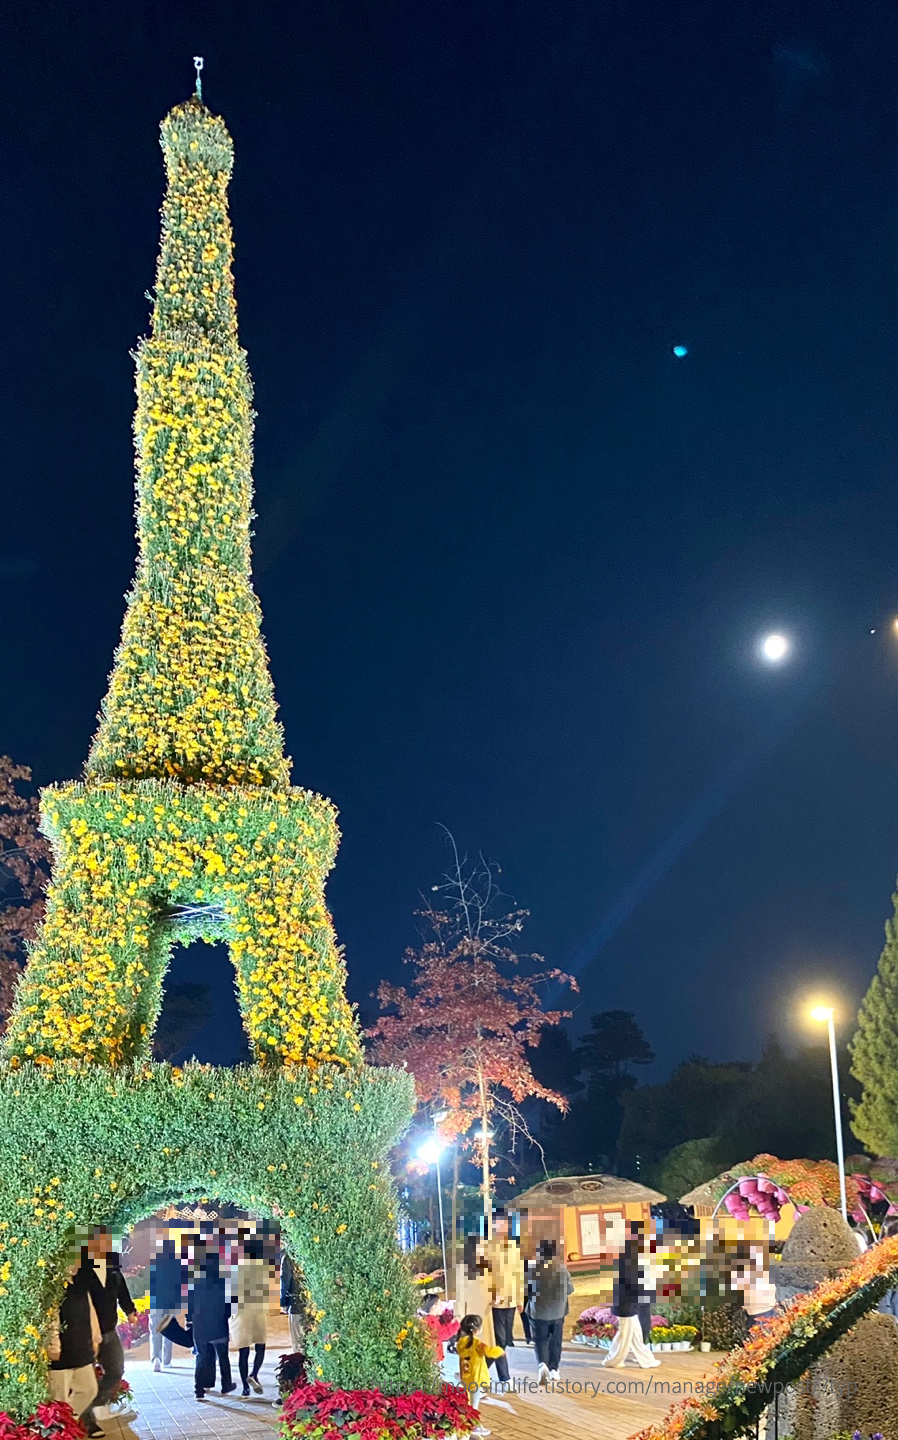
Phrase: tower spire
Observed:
(190, 696)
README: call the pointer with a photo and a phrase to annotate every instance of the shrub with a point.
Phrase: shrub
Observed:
(682, 1312)
(424, 1258)
(322, 1412)
(291, 1372)
(726, 1326)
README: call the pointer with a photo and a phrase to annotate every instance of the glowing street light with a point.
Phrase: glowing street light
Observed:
(774, 648)
(429, 1153)
(825, 1014)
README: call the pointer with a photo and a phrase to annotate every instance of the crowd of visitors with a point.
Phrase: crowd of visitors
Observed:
(493, 1285)
(208, 1292)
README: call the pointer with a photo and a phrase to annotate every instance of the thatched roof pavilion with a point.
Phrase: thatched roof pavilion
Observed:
(589, 1191)
(586, 1214)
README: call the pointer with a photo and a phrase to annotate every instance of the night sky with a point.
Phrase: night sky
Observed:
(513, 554)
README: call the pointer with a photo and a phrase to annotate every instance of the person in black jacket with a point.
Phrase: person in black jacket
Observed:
(98, 1258)
(208, 1311)
(292, 1303)
(631, 1288)
(72, 1377)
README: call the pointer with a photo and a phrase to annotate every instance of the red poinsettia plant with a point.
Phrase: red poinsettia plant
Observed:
(122, 1390)
(52, 1421)
(321, 1411)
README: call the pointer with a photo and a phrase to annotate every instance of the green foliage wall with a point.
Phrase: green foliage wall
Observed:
(80, 1147)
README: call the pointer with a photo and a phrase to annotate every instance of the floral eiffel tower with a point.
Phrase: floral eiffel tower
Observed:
(186, 825)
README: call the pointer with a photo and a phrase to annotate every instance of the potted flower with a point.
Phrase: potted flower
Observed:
(683, 1336)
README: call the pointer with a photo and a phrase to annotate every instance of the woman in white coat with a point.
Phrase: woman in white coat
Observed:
(249, 1328)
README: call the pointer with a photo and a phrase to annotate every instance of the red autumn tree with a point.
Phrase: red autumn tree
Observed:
(24, 873)
(474, 1009)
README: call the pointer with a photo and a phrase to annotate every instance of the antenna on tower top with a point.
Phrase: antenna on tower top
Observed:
(198, 65)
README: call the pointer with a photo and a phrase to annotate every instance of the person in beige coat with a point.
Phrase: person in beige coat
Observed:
(502, 1254)
(473, 1293)
(249, 1327)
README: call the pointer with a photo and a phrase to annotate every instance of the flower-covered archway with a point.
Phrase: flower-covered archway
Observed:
(83, 1146)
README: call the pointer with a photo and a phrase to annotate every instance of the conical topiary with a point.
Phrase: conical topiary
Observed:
(874, 1052)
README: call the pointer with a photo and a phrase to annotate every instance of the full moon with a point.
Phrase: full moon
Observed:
(774, 648)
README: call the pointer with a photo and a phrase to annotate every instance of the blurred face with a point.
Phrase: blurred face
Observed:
(99, 1245)
(500, 1227)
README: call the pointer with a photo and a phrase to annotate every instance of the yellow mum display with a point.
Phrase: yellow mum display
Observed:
(187, 825)
(191, 697)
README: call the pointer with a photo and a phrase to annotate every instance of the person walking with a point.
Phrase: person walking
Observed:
(112, 1295)
(250, 1325)
(506, 1281)
(208, 1311)
(648, 1287)
(550, 1286)
(72, 1347)
(292, 1303)
(627, 1297)
(473, 1355)
(472, 1286)
(167, 1284)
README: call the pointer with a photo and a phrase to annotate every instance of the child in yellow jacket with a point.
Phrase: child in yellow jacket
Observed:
(473, 1355)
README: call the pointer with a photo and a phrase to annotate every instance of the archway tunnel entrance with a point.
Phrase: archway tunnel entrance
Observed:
(83, 1147)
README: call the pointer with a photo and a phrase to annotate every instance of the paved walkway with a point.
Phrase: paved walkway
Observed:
(590, 1404)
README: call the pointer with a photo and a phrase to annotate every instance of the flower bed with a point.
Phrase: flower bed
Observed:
(325, 1413)
(779, 1350)
(677, 1337)
(133, 1333)
(430, 1280)
(597, 1326)
(51, 1421)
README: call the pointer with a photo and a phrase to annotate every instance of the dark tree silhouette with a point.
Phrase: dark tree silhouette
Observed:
(24, 875)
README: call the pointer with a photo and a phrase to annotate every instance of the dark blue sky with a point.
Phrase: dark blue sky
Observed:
(512, 554)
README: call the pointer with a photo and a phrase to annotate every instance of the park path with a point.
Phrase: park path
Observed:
(626, 1401)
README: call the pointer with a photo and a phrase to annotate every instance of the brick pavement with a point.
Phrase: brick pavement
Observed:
(626, 1400)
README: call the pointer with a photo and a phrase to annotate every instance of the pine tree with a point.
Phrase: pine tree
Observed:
(874, 1051)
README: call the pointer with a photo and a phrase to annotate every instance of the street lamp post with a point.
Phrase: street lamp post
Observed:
(436, 1159)
(430, 1153)
(825, 1013)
